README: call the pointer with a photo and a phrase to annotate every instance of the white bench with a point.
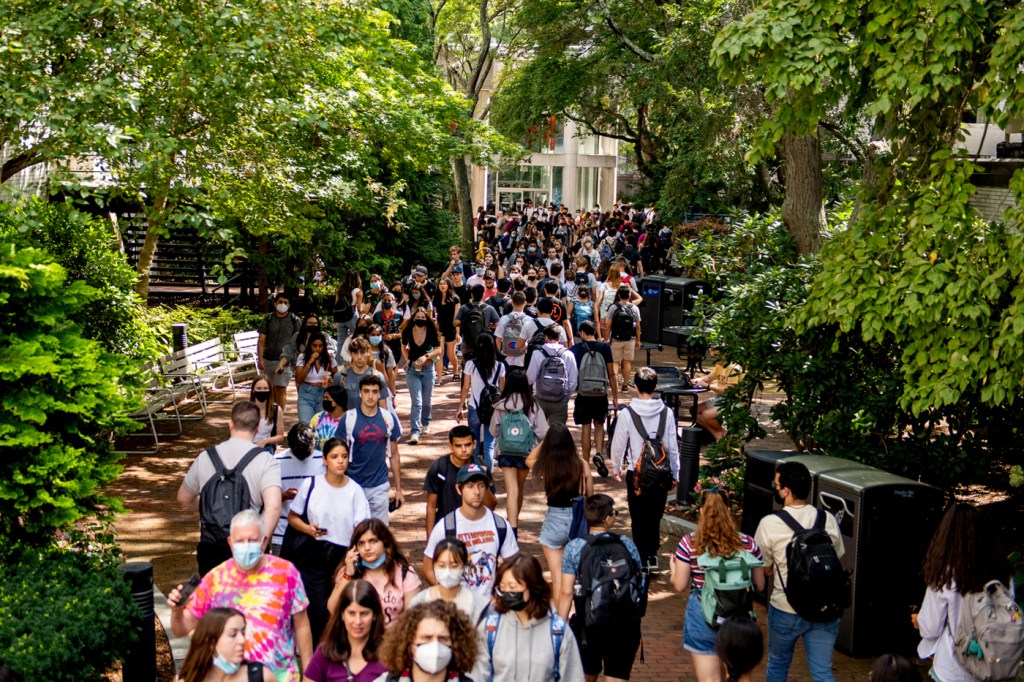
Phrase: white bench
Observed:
(161, 405)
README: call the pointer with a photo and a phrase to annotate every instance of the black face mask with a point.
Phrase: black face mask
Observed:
(262, 396)
(312, 328)
(514, 601)
(362, 331)
(328, 406)
(778, 498)
(387, 305)
(420, 323)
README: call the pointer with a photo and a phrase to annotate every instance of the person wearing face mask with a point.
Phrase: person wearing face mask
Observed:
(351, 643)
(362, 330)
(258, 467)
(381, 353)
(270, 432)
(275, 332)
(524, 638)
(432, 642)
(377, 289)
(326, 421)
(390, 320)
(376, 558)
(421, 346)
(451, 557)
(267, 590)
(217, 651)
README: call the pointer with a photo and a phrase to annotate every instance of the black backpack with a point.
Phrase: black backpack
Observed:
(536, 342)
(623, 323)
(652, 471)
(343, 311)
(488, 396)
(610, 588)
(818, 588)
(473, 324)
(223, 496)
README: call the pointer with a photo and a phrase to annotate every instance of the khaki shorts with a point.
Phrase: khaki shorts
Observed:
(623, 350)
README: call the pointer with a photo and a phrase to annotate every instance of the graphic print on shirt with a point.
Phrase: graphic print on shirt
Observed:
(482, 563)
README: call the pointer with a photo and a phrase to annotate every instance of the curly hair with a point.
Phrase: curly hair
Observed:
(396, 650)
(716, 532)
(963, 553)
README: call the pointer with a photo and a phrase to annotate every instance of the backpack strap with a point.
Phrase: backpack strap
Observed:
(491, 633)
(245, 461)
(638, 422)
(662, 418)
(449, 526)
(502, 528)
(350, 427)
(819, 520)
(273, 422)
(557, 635)
(788, 519)
(309, 496)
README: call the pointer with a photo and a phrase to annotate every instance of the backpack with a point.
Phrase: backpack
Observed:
(727, 590)
(223, 496)
(343, 311)
(582, 311)
(536, 341)
(818, 588)
(516, 437)
(989, 639)
(652, 471)
(499, 523)
(605, 252)
(488, 396)
(593, 381)
(623, 323)
(473, 324)
(513, 329)
(557, 635)
(609, 589)
(497, 301)
(553, 379)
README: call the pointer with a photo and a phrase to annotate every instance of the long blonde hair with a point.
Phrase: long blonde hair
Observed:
(716, 533)
(614, 277)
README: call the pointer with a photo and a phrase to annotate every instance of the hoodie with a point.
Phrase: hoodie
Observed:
(627, 443)
(523, 653)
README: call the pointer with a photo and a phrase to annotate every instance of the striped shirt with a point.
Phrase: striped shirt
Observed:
(293, 472)
(686, 552)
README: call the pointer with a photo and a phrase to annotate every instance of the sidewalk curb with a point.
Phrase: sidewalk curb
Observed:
(676, 526)
(179, 645)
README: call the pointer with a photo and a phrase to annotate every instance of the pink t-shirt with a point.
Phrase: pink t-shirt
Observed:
(392, 598)
(268, 598)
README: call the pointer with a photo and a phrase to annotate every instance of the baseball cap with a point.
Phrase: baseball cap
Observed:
(421, 271)
(471, 471)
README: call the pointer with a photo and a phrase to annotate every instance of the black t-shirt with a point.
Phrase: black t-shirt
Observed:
(583, 347)
(440, 481)
(418, 350)
(446, 311)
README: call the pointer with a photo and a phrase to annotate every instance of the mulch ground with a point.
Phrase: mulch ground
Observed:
(157, 530)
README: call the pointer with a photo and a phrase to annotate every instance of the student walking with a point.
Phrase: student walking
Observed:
(483, 379)
(421, 345)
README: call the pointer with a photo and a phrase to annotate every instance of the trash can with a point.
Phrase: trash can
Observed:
(886, 522)
(758, 499)
(650, 310)
(689, 465)
(818, 465)
(675, 306)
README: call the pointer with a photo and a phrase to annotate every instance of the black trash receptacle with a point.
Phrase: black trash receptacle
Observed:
(650, 310)
(886, 522)
(140, 663)
(689, 464)
(758, 498)
(674, 310)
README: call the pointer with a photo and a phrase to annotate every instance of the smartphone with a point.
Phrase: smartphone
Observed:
(187, 589)
(393, 504)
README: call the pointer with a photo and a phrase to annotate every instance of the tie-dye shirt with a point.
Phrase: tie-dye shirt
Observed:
(268, 598)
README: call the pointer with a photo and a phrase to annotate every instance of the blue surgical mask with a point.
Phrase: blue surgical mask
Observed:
(375, 340)
(247, 554)
(479, 272)
(375, 285)
(224, 665)
(375, 564)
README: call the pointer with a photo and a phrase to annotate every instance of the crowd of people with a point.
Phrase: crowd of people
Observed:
(301, 577)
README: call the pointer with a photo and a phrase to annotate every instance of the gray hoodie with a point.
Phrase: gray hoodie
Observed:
(627, 443)
(523, 653)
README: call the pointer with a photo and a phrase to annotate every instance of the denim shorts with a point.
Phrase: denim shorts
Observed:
(698, 637)
(554, 533)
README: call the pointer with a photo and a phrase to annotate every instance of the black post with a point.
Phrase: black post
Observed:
(689, 463)
(179, 337)
(140, 663)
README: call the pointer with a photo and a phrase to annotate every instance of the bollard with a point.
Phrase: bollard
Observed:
(179, 337)
(689, 464)
(140, 663)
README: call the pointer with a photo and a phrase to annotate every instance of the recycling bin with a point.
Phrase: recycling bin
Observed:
(651, 289)
(679, 295)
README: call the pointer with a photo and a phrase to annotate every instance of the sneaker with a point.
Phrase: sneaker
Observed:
(602, 468)
(414, 439)
(426, 429)
(652, 564)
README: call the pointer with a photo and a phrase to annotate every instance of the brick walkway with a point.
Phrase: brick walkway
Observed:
(159, 531)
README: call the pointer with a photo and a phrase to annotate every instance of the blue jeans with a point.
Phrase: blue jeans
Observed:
(784, 629)
(311, 401)
(488, 440)
(421, 389)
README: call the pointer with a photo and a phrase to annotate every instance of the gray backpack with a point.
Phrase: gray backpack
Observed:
(553, 380)
(989, 639)
(593, 374)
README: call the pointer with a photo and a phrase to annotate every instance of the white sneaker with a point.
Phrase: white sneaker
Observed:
(414, 439)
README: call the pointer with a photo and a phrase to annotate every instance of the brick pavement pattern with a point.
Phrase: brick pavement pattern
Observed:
(157, 530)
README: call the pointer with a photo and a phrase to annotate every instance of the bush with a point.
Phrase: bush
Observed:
(64, 616)
(61, 395)
(203, 324)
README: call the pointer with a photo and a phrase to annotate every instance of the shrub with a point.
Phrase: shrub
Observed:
(203, 324)
(60, 397)
(64, 616)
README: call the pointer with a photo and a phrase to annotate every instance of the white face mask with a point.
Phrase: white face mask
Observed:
(432, 657)
(448, 577)
(282, 308)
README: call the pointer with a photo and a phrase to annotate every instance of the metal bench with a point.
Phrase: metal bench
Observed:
(205, 366)
(161, 405)
(246, 344)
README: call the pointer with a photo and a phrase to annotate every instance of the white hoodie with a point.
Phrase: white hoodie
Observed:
(627, 443)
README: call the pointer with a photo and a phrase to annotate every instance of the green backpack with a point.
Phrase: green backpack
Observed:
(728, 590)
(516, 437)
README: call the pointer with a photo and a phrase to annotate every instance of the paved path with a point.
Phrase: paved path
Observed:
(157, 530)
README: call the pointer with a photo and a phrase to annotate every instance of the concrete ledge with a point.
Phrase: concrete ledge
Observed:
(179, 645)
(674, 525)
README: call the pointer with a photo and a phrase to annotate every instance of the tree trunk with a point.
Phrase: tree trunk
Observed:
(803, 209)
(155, 218)
(460, 170)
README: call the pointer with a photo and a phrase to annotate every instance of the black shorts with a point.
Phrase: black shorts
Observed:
(590, 409)
(612, 649)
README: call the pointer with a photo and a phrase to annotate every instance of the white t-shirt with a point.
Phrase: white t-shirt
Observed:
(530, 328)
(499, 333)
(476, 385)
(293, 472)
(336, 510)
(315, 376)
(481, 538)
